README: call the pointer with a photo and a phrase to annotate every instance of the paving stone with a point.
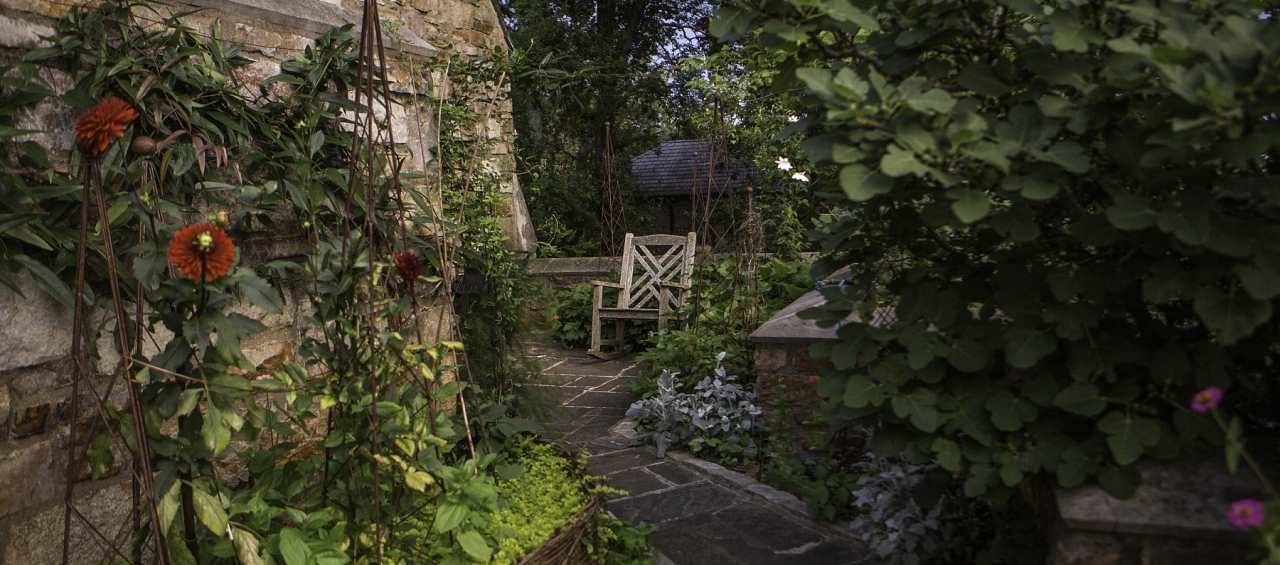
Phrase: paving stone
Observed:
(675, 473)
(626, 459)
(636, 482)
(751, 535)
(600, 368)
(590, 381)
(679, 503)
(620, 400)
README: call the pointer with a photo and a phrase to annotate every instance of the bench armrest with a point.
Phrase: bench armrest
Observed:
(676, 285)
(608, 284)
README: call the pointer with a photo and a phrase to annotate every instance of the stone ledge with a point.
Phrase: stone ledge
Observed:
(1187, 498)
(314, 16)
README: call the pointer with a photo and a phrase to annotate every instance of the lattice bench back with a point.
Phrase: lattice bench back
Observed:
(645, 264)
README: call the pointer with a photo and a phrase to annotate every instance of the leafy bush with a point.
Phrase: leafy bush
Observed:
(718, 416)
(898, 530)
(727, 311)
(1067, 205)
(571, 317)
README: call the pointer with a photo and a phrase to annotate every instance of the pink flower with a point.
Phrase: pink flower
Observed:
(264, 377)
(1207, 399)
(1247, 513)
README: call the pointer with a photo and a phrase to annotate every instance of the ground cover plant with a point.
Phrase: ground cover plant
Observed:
(396, 456)
(1067, 206)
(717, 420)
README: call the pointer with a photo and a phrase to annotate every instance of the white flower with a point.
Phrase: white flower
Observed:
(793, 119)
(784, 163)
(800, 176)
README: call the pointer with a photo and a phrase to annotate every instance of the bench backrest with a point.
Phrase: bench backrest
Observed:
(648, 260)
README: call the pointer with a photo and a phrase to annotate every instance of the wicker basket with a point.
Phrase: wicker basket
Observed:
(568, 544)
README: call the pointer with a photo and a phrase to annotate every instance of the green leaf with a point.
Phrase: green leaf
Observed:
(980, 78)
(1068, 155)
(449, 516)
(1128, 435)
(843, 11)
(216, 435)
(1031, 188)
(899, 162)
(971, 205)
(948, 451)
(262, 294)
(1008, 412)
(1116, 484)
(1081, 398)
(79, 99)
(728, 24)
(1027, 347)
(1232, 315)
(1131, 212)
(1262, 278)
(861, 391)
(418, 479)
(473, 543)
(861, 184)
(209, 510)
(47, 280)
(246, 545)
(967, 355)
(1069, 35)
(932, 101)
(1190, 224)
(293, 547)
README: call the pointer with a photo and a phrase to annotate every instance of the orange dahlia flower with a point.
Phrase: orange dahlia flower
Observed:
(97, 128)
(202, 251)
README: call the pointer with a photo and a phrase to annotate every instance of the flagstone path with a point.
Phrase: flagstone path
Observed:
(704, 514)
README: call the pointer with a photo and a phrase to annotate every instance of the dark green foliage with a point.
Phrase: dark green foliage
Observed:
(571, 317)
(1067, 205)
(590, 63)
(727, 309)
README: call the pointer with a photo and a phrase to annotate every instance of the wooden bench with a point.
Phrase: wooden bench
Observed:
(656, 274)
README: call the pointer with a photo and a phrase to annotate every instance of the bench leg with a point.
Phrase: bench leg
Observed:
(597, 300)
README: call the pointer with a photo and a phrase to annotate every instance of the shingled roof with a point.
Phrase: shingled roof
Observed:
(674, 167)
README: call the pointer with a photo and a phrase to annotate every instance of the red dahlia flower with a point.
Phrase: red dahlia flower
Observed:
(407, 266)
(202, 251)
(97, 128)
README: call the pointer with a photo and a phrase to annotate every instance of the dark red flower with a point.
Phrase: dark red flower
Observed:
(202, 251)
(97, 128)
(407, 266)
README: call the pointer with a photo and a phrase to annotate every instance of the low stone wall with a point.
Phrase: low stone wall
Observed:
(786, 375)
(1177, 516)
(35, 331)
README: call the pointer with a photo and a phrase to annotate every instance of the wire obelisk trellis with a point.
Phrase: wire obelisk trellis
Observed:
(613, 218)
(111, 544)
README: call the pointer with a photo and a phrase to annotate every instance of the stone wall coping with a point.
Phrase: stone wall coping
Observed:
(561, 266)
(1187, 497)
(313, 16)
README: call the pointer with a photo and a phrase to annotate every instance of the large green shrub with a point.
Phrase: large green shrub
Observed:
(1070, 207)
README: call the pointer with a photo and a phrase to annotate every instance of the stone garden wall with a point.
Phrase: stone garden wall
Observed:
(35, 336)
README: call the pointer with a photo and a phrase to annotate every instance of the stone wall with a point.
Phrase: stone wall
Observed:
(35, 330)
(786, 375)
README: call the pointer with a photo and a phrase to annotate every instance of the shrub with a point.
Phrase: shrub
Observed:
(898, 530)
(1068, 207)
(571, 317)
(719, 416)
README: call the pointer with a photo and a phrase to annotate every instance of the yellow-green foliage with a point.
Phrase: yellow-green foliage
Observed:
(540, 499)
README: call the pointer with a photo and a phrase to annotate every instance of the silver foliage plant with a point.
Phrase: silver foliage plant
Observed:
(897, 529)
(718, 408)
